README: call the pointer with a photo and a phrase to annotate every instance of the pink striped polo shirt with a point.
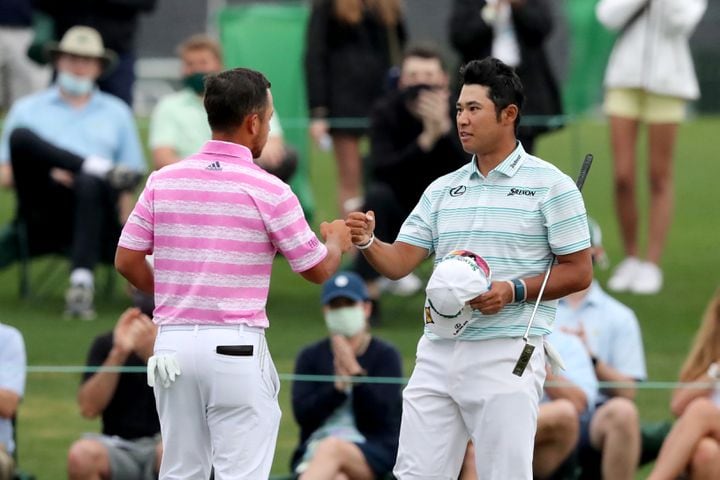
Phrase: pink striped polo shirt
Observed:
(214, 222)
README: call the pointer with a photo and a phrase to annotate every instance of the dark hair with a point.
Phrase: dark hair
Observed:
(232, 95)
(504, 86)
(425, 50)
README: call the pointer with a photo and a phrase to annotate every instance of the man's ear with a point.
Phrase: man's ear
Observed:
(509, 114)
(253, 123)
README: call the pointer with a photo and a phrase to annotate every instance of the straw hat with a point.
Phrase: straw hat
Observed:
(83, 42)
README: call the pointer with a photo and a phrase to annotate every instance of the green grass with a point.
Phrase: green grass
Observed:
(49, 418)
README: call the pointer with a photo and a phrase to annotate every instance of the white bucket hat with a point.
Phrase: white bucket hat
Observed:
(84, 42)
(459, 277)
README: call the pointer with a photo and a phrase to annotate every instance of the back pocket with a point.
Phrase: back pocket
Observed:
(236, 378)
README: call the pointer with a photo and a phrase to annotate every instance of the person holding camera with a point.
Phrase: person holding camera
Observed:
(411, 130)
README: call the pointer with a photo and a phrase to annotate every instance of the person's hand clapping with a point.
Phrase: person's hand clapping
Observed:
(362, 226)
(144, 331)
(124, 337)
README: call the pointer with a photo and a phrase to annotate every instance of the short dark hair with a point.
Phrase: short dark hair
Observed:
(232, 95)
(504, 86)
(425, 50)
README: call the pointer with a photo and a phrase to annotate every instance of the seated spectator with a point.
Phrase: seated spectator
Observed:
(411, 130)
(568, 396)
(129, 447)
(610, 439)
(73, 154)
(693, 445)
(12, 387)
(179, 126)
(347, 430)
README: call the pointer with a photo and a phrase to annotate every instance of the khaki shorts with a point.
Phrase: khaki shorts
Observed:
(642, 105)
(130, 459)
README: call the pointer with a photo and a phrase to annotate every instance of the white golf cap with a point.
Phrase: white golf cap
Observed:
(459, 277)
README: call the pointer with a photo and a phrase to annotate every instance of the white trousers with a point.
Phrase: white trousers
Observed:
(461, 390)
(19, 76)
(222, 409)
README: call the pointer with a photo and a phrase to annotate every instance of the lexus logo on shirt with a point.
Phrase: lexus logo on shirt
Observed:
(457, 191)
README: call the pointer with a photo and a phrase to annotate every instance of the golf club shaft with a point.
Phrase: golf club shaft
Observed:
(584, 170)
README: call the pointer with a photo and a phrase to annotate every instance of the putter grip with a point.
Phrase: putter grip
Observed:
(584, 170)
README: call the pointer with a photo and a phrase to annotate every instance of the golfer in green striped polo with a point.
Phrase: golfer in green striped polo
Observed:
(516, 211)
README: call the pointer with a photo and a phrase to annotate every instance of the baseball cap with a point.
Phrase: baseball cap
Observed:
(344, 284)
(459, 277)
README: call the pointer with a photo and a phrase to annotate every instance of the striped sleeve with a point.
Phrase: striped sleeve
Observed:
(565, 218)
(138, 232)
(417, 229)
(291, 234)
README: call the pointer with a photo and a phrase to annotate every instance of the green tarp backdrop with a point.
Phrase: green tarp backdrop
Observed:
(271, 39)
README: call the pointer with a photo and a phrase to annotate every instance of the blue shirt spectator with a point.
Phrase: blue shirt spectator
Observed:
(12, 381)
(578, 366)
(611, 329)
(104, 127)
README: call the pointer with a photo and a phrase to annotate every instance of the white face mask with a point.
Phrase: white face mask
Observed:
(347, 321)
(74, 85)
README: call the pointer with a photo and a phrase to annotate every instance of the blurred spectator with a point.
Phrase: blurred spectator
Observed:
(411, 129)
(693, 445)
(19, 76)
(610, 437)
(347, 430)
(351, 46)
(179, 125)
(515, 32)
(12, 388)
(568, 396)
(117, 22)
(645, 86)
(75, 154)
(129, 447)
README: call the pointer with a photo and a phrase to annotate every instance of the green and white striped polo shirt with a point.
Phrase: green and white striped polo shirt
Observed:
(525, 210)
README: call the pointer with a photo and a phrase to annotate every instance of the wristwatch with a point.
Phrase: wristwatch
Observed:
(713, 371)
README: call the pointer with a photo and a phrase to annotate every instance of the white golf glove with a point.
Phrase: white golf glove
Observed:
(554, 358)
(165, 367)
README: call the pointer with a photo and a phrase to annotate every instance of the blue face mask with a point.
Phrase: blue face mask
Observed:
(74, 85)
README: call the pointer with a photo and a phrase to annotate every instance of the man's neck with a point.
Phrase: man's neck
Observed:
(75, 101)
(487, 161)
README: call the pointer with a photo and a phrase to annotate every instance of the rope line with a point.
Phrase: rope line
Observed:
(644, 385)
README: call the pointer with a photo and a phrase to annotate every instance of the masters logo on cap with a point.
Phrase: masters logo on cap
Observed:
(459, 277)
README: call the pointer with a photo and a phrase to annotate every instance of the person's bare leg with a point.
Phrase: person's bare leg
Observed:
(705, 463)
(661, 145)
(615, 431)
(349, 164)
(158, 456)
(333, 457)
(623, 139)
(88, 460)
(699, 420)
(557, 434)
(468, 470)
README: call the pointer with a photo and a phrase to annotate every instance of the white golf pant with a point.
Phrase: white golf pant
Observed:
(462, 390)
(222, 410)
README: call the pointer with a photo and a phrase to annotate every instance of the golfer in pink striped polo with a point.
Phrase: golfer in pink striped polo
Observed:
(214, 223)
